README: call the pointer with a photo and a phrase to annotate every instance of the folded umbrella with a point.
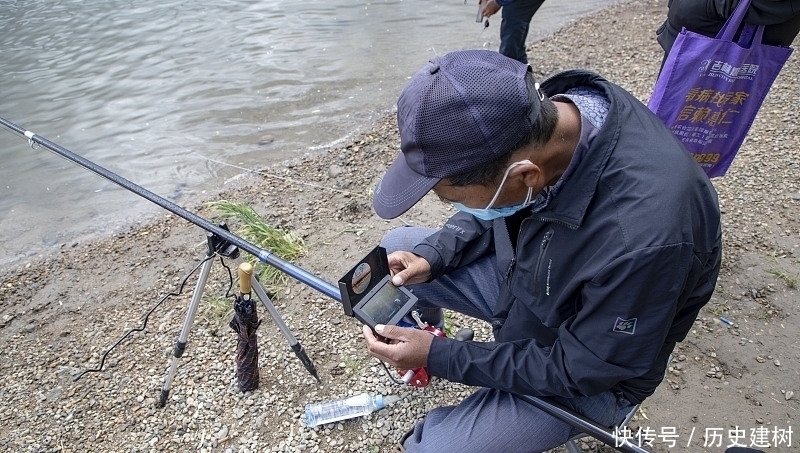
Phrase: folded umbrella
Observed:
(244, 323)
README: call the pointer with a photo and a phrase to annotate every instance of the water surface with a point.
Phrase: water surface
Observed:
(162, 93)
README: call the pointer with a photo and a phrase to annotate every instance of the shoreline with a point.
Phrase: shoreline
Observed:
(66, 231)
(54, 211)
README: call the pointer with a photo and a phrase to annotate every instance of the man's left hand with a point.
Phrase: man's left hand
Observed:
(408, 347)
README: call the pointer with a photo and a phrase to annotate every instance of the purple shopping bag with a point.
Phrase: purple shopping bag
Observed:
(710, 89)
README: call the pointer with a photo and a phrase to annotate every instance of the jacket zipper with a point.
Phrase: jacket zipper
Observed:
(542, 249)
(557, 222)
(510, 270)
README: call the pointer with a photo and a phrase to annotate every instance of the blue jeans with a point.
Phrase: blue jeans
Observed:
(514, 28)
(489, 419)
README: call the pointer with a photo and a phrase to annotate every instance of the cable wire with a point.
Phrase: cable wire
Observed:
(146, 317)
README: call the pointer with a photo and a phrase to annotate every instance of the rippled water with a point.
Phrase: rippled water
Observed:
(162, 93)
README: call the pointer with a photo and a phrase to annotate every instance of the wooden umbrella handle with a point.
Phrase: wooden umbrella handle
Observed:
(245, 274)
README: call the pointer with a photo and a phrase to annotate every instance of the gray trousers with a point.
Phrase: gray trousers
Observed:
(490, 420)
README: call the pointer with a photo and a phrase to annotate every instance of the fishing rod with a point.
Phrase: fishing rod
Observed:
(219, 234)
(564, 414)
(263, 255)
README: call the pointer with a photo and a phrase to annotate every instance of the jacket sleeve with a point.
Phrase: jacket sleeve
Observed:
(627, 311)
(460, 241)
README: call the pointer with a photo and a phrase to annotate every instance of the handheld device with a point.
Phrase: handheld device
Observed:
(369, 295)
(479, 17)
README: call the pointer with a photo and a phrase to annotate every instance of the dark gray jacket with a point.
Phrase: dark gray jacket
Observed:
(606, 279)
(706, 17)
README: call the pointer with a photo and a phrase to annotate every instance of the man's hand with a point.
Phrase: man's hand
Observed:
(408, 347)
(490, 8)
(408, 268)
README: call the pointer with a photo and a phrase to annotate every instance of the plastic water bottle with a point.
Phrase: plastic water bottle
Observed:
(341, 409)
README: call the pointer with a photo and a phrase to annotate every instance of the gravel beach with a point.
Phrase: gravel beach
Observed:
(60, 312)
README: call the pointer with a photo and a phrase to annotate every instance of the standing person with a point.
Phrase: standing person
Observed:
(586, 236)
(517, 15)
(706, 17)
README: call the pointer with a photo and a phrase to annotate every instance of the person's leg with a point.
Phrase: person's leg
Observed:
(471, 290)
(491, 420)
(514, 27)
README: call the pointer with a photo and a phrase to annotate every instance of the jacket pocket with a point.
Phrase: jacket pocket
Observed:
(535, 285)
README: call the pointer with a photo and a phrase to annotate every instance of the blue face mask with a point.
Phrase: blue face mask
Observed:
(489, 213)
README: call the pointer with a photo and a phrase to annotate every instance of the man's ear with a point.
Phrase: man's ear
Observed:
(531, 173)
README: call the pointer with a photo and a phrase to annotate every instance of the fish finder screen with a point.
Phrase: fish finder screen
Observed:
(385, 304)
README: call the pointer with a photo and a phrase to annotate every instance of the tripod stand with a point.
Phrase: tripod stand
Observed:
(219, 246)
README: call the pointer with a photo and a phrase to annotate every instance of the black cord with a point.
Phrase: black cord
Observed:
(146, 317)
(230, 279)
(389, 373)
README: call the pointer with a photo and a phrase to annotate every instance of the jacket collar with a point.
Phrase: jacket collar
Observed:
(572, 202)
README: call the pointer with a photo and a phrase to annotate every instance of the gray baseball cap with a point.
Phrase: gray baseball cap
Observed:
(460, 111)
